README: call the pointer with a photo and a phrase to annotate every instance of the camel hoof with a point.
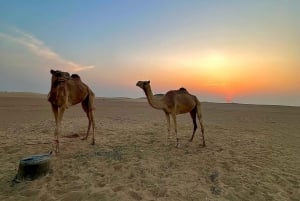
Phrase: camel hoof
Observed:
(190, 140)
(177, 143)
(55, 147)
(84, 138)
(93, 142)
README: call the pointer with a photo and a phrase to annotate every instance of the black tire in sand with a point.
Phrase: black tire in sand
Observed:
(33, 167)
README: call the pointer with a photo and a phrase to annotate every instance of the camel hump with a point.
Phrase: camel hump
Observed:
(75, 76)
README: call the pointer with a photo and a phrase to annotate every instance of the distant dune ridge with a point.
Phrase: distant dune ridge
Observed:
(21, 94)
(252, 152)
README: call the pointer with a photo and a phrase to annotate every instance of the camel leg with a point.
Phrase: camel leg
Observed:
(56, 131)
(89, 126)
(60, 114)
(91, 107)
(201, 123)
(175, 128)
(86, 110)
(90, 116)
(93, 126)
(169, 127)
(193, 115)
(55, 112)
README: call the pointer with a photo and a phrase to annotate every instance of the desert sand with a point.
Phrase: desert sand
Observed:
(252, 153)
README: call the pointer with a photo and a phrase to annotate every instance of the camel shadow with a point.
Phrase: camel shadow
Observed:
(73, 135)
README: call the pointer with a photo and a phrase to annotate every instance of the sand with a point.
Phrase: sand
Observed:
(252, 153)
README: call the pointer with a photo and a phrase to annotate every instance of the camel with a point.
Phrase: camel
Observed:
(175, 102)
(66, 91)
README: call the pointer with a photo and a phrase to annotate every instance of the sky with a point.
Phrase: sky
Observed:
(221, 51)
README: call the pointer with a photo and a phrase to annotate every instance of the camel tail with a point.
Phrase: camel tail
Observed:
(199, 109)
(91, 98)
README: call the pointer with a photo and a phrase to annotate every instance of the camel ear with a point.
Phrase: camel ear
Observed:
(148, 82)
(52, 71)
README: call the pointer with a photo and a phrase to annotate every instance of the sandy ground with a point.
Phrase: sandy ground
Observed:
(252, 153)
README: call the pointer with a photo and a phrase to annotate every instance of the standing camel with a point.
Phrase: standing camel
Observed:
(175, 102)
(66, 91)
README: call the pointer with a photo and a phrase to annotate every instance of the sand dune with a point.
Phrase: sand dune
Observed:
(252, 152)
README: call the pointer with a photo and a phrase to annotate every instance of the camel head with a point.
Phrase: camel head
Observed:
(143, 84)
(58, 76)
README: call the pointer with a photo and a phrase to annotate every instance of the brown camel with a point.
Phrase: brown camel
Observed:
(175, 102)
(66, 91)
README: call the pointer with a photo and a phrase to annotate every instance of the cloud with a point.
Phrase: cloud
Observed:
(39, 48)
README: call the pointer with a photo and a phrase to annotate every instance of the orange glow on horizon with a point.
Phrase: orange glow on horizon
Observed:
(218, 73)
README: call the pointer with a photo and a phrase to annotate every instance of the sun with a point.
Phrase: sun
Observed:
(212, 61)
(215, 61)
(217, 71)
(216, 65)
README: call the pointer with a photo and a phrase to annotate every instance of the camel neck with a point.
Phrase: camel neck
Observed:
(154, 102)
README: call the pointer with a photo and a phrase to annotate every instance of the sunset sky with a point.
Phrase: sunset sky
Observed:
(221, 51)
